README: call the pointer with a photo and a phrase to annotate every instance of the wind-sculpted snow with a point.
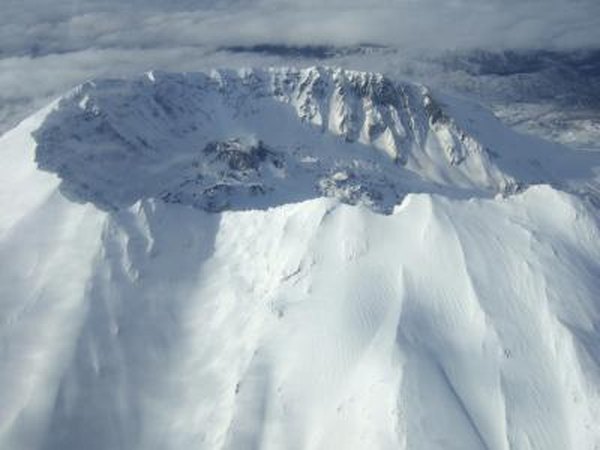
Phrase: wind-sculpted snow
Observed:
(252, 139)
(141, 316)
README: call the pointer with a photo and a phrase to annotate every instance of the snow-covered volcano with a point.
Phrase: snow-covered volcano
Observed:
(293, 259)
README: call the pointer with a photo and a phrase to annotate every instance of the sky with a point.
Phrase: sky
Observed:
(48, 46)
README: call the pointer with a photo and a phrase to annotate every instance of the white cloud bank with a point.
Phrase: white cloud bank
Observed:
(41, 27)
(47, 46)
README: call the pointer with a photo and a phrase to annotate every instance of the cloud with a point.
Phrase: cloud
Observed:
(38, 27)
(46, 47)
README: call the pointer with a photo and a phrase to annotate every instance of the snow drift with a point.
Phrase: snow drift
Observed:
(305, 259)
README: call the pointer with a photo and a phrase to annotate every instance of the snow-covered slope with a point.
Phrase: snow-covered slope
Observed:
(203, 263)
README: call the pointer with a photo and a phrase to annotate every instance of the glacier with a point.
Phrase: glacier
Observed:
(294, 258)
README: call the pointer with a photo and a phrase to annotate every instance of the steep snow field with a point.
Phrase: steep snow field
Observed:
(459, 315)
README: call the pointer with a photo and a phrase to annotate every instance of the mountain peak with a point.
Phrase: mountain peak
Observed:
(132, 318)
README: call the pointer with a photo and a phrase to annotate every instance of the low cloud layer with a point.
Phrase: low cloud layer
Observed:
(49, 46)
(35, 27)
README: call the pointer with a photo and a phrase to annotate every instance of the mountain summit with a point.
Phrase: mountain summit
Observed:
(252, 138)
(293, 259)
